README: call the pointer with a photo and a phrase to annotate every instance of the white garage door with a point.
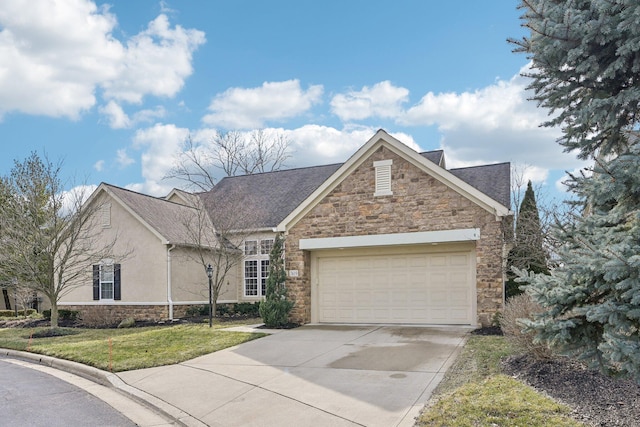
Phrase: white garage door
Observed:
(428, 288)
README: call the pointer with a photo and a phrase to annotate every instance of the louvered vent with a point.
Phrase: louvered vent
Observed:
(383, 178)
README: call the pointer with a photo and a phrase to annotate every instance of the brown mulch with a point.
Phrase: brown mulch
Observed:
(596, 399)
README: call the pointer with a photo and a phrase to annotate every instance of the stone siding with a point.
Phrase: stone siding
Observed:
(152, 313)
(419, 203)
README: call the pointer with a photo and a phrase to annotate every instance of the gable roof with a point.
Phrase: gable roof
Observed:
(493, 180)
(382, 138)
(436, 156)
(172, 223)
(262, 201)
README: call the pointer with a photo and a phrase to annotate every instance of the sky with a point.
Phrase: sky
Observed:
(113, 89)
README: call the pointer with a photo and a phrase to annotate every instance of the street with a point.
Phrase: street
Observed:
(29, 397)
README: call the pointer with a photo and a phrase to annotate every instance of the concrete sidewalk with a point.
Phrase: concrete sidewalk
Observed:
(309, 376)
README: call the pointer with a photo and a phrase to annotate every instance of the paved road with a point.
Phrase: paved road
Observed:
(32, 398)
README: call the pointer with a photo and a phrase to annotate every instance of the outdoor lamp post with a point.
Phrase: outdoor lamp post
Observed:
(15, 296)
(210, 275)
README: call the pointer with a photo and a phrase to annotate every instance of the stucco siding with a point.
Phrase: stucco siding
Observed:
(142, 256)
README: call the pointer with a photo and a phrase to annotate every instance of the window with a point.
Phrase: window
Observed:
(250, 247)
(251, 278)
(256, 266)
(106, 281)
(383, 178)
(264, 273)
(265, 246)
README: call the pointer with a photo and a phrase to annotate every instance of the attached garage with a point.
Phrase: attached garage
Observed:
(416, 284)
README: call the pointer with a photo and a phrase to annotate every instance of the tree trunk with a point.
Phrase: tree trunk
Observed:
(54, 314)
(7, 300)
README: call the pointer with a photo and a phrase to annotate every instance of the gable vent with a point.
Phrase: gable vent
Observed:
(106, 215)
(383, 178)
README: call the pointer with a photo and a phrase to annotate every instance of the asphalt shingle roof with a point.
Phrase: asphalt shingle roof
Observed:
(263, 200)
(175, 222)
(493, 180)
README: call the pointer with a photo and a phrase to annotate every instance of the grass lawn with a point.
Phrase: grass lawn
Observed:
(127, 349)
(474, 393)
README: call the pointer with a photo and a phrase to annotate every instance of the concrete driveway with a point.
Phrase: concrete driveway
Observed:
(310, 376)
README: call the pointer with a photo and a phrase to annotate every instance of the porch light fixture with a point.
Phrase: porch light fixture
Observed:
(210, 276)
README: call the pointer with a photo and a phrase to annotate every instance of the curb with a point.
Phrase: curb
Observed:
(110, 380)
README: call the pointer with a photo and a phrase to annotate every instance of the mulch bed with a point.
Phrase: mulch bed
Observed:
(597, 400)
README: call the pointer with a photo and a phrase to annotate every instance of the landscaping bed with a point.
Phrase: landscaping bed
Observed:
(596, 400)
(479, 390)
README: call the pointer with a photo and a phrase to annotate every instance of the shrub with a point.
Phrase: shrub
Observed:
(248, 308)
(275, 309)
(197, 310)
(129, 322)
(517, 308)
(98, 317)
(221, 309)
(63, 314)
(11, 313)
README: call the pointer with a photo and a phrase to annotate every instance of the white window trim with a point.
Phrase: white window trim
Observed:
(258, 257)
(383, 178)
(112, 282)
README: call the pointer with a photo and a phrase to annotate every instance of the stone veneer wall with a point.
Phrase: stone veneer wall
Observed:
(152, 313)
(419, 203)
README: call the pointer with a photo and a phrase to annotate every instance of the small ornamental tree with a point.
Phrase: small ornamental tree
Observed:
(275, 309)
(528, 252)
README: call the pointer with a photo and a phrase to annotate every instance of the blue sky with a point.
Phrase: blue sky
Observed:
(114, 88)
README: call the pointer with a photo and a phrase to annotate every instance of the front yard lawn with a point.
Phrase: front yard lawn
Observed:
(475, 393)
(126, 349)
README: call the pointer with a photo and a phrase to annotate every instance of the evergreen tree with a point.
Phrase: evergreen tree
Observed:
(586, 61)
(528, 252)
(275, 309)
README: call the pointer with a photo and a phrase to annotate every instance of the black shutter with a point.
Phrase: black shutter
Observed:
(116, 282)
(96, 282)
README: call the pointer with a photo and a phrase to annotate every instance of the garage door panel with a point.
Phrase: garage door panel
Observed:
(398, 288)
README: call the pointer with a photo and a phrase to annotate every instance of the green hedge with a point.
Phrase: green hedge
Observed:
(12, 313)
(63, 314)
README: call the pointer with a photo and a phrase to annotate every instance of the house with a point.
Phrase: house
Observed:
(389, 236)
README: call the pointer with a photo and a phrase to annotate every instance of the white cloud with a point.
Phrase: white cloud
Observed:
(123, 158)
(159, 145)
(76, 196)
(118, 119)
(381, 100)
(156, 62)
(242, 108)
(495, 123)
(99, 165)
(318, 145)
(54, 56)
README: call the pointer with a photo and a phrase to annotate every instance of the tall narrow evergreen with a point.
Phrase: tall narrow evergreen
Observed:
(585, 66)
(528, 252)
(275, 309)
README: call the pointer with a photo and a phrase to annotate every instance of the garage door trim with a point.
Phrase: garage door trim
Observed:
(422, 237)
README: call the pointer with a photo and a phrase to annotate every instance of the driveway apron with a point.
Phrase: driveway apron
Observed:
(310, 376)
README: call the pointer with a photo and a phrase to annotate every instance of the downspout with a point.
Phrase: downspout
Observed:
(169, 300)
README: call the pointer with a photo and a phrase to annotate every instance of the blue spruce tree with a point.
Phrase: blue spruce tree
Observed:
(585, 67)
